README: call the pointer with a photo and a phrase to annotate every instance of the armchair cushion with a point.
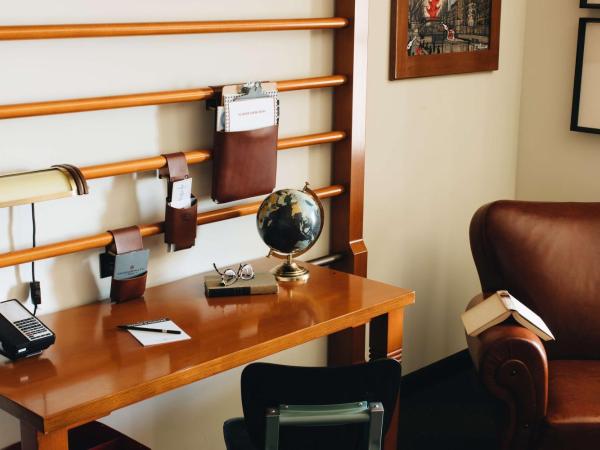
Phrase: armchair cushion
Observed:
(573, 419)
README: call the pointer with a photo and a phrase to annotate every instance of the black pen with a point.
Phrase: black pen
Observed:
(154, 330)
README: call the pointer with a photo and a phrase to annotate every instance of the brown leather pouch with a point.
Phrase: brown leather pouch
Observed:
(244, 164)
(124, 290)
(180, 223)
(127, 240)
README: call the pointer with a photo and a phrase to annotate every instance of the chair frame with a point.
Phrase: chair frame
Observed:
(325, 415)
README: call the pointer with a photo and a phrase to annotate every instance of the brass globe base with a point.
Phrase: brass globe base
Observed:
(290, 271)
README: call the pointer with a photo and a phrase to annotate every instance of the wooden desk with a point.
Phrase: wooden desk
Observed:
(93, 369)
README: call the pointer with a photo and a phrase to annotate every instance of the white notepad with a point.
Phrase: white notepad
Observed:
(147, 338)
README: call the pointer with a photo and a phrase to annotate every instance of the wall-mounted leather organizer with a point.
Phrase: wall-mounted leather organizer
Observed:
(127, 243)
(244, 163)
(181, 207)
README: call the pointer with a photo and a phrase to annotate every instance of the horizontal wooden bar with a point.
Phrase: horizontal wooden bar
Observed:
(149, 98)
(156, 28)
(198, 156)
(104, 239)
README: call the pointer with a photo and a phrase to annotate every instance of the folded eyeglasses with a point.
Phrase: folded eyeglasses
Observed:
(230, 276)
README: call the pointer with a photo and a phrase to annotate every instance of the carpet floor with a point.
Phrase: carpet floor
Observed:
(454, 413)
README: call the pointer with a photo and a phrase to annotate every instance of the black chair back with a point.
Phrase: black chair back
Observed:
(270, 385)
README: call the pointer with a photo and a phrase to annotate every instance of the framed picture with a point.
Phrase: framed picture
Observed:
(586, 94)
(590, 4)
(442, 37)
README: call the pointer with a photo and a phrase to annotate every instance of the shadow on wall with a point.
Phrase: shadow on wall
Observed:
(184, 127)
(20, 290)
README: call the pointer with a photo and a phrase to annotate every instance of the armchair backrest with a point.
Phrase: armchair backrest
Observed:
(548, 256)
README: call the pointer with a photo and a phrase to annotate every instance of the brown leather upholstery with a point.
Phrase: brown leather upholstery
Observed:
(547, 255)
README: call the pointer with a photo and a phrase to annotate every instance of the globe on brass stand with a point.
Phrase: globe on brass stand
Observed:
(290, 221)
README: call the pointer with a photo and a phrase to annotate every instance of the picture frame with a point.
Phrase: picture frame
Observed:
(585, 116)
(469, 42)
(589, 4)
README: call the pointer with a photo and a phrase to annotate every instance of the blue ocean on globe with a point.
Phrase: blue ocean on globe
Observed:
(289, 221)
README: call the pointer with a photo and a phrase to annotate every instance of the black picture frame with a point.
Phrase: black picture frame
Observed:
(583, 23)
(586, 4)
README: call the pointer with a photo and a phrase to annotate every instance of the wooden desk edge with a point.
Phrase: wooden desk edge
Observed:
(104, 406)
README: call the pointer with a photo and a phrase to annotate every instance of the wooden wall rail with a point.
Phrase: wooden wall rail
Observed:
(104, 239)
(149, 98)
(198, 156)
(155, 28)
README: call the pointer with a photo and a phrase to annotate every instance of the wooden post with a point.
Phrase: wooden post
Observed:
(350, 60)
(349, 115)
(32, 439)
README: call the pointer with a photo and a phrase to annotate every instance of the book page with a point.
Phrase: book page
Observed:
(488, 313)
(532, 318)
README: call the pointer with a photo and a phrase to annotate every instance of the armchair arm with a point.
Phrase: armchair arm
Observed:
(512, 364)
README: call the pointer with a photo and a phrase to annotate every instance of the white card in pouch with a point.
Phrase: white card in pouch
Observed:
(252, 114)
(181, 195)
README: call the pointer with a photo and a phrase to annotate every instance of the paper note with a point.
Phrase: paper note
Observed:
(252, 114)
(181, 195)
(147, 338)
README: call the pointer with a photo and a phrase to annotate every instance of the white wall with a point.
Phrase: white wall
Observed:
(555, 164)
(56, 69)
(438, 148)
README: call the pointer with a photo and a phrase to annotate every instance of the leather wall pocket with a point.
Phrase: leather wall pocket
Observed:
(244, 164)
(129, 289)
(181, 226)
(131, 259)
(180, 220)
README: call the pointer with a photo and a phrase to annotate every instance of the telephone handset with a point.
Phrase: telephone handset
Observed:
(21, 333)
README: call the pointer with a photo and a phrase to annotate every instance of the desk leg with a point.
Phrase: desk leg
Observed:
(385, 341)
(346, 347)
(32, 439)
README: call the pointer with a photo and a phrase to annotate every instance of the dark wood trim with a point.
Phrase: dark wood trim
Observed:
(385, 341)
(578, 76)
(403, 66)
(434, 373)
(585, 4)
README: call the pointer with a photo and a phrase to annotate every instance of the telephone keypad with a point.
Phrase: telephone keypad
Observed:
(32, 328)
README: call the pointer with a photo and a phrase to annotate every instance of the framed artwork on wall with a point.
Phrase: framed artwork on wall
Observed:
(590, 4)
(586, 93)
(443, 37)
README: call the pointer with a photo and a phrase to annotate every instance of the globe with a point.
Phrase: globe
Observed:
(290, 221)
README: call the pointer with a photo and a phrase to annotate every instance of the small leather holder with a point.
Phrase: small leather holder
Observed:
(244, 164)
(127, 240)
(180, 223)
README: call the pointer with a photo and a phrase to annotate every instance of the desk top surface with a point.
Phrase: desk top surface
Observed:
(94, 368)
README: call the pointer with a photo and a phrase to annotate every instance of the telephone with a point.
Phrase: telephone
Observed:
(21, 333)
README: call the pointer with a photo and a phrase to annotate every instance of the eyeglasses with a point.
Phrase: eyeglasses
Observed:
(230, 276)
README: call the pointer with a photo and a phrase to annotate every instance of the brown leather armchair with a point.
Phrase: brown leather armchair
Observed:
(548, 256)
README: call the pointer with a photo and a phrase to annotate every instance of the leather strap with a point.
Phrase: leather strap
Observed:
(176, 168)
(126, 240)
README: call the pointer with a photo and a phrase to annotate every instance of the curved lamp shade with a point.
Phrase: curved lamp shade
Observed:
(36, 186)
